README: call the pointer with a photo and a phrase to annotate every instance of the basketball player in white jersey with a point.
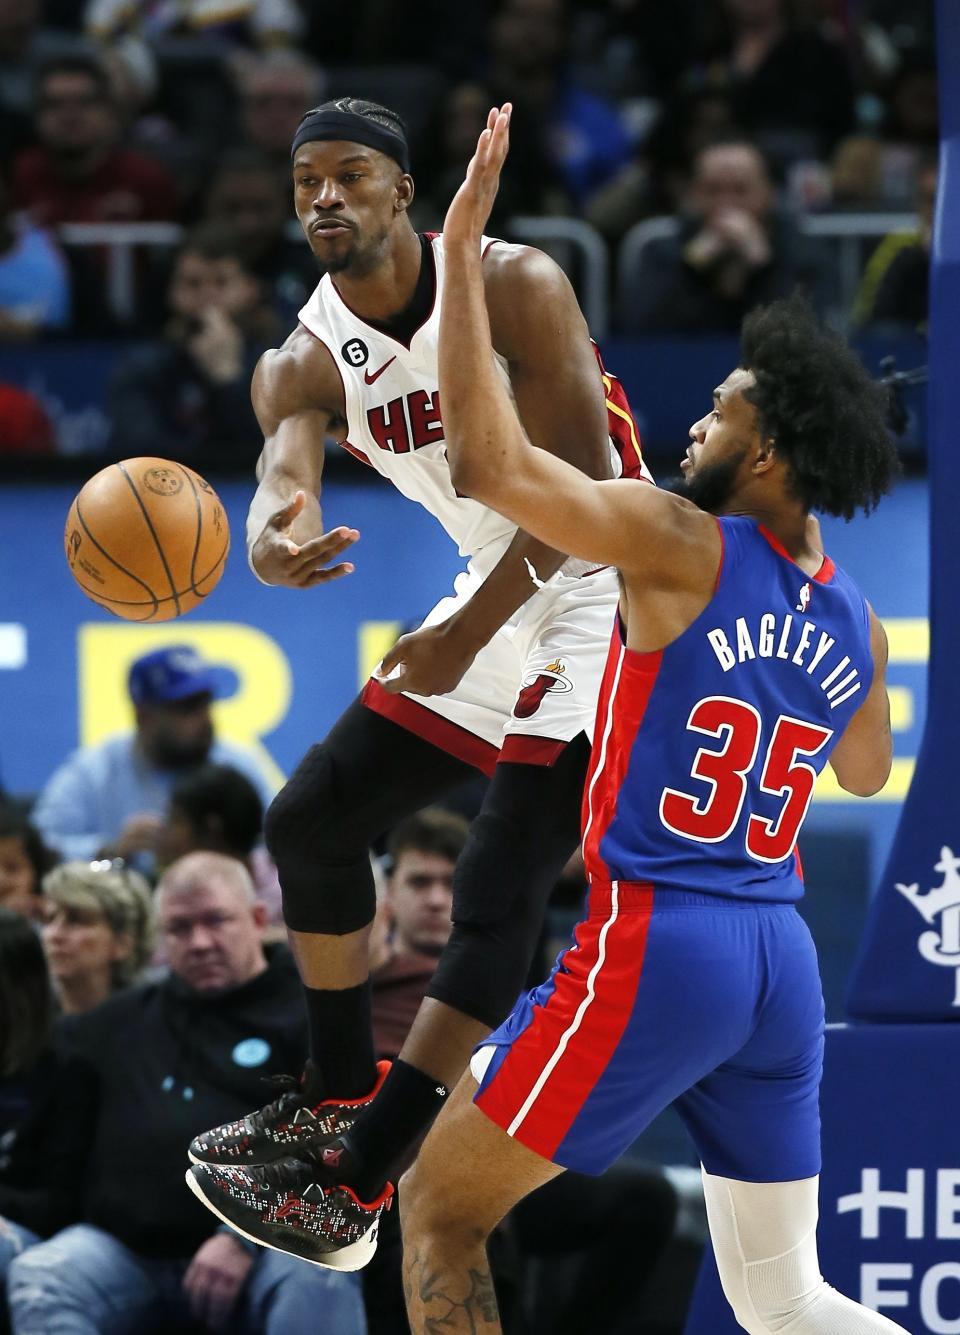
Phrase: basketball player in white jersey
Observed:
(502, 677)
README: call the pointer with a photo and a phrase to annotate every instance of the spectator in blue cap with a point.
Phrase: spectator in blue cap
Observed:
(109, 800)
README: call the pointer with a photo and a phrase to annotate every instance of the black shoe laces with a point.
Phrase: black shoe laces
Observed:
(291, 1099)
(290, 1175)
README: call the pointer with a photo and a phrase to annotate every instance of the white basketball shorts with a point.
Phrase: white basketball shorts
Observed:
(531, 689)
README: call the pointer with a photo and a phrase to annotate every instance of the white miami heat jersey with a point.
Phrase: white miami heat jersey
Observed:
(392, 397)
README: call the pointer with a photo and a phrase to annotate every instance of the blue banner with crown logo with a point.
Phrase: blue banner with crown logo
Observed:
(909, 966)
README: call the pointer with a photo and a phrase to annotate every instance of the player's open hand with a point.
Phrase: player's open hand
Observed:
(429, 661)
(293, 551)
(468, 213)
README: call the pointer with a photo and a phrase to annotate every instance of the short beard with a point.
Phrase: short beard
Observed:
(361, 259)
(334, 266)
(711, 486)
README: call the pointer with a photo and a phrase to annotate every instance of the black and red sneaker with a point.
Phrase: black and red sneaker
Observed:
(283, 1205)
(289, 1126)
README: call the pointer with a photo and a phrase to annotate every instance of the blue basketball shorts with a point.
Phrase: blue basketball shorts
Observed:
(665, 996)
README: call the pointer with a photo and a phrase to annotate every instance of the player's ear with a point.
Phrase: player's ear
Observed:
(766, 455)
(404, 193)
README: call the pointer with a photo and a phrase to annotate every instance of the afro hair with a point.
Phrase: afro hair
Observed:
(816, 401)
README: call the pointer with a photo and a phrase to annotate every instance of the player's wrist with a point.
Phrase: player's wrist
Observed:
(462, 246)
(254, 571)
(469, 631)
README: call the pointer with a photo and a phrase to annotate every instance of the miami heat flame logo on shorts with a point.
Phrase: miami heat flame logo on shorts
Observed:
(552, 678)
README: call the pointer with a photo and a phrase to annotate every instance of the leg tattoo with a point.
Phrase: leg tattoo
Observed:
(431, 1305)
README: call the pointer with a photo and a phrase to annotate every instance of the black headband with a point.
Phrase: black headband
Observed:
(347, 125)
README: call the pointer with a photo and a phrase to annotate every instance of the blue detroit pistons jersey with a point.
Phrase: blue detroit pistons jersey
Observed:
(706, 752)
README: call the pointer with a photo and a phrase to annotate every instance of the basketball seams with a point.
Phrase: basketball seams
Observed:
(158, 602)
(175, 557)
(153, 533)
(113, 561)
(196, 543)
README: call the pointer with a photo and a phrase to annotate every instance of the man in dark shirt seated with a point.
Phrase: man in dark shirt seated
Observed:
(188, 394)
(163, 1062)
(733, 251)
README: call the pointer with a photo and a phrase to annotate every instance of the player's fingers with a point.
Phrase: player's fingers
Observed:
(390, 659)
(297, 561)
(501, 135)
(483, 149)
(325, 575)
(326, 545)
(290, 511)
(285, 556)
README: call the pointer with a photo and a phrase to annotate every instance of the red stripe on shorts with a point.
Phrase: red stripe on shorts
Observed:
(555, 1064)
(627, 686)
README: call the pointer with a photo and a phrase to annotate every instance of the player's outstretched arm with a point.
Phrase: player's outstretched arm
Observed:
(286, 543)
(624, 523)
(862, 758)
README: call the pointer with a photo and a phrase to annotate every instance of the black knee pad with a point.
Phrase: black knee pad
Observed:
(500, 889)
(318, 839)
(494, 870)
(483, 969)
(517, 847)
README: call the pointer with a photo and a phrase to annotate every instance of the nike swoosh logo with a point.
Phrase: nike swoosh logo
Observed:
(369, 379)
(331, 1158)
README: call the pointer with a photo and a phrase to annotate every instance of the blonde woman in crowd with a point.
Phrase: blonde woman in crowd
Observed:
(97, 930)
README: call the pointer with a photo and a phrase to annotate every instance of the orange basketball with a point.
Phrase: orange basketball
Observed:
(147, 539)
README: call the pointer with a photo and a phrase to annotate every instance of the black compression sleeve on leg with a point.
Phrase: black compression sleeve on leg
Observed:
(518, 846)
(526, 832)
(366, 775)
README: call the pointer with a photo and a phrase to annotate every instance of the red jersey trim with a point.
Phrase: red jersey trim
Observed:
(433, 728)
(522, 749)
(723, 552)
(623, 706)
(357, 454)
(621, 423)
(823, 576)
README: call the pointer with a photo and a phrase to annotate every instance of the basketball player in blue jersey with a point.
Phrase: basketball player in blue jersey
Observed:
(741, 662)
(503, 677)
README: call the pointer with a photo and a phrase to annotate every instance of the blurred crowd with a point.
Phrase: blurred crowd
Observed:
(729, 123)
(146, 991)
